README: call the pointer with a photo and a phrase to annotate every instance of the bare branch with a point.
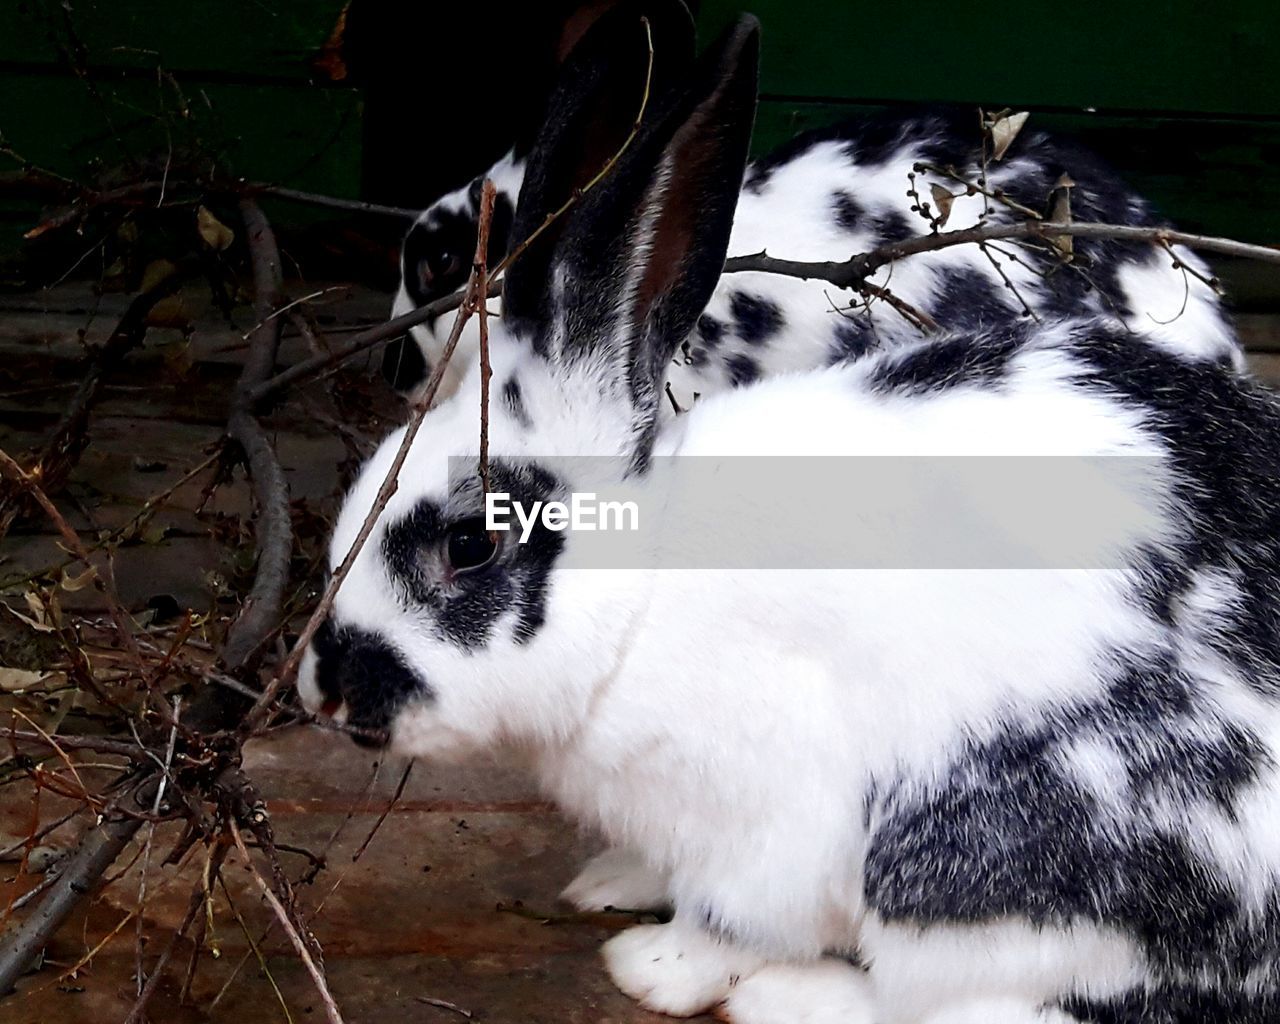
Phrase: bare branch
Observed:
(101, 845)
(274, 528)
(852, 272)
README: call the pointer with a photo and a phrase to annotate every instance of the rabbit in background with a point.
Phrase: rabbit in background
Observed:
(826, 195)
(898, 796)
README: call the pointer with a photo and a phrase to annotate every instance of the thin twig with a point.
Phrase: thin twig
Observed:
(317, 976)
(395, 799)
(165, 768)
(138, 1011)
(269, 390)
(487, 196)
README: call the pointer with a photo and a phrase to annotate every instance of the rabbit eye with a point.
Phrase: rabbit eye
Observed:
(441, 265)
(468, 545)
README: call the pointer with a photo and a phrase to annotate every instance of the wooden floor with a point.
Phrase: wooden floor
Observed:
(454, 901)
(416, 917)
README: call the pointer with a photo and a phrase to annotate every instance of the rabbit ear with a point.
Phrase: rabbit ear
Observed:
(641, 252)
(592, 110)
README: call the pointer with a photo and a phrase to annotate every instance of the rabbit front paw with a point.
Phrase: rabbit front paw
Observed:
(677, 968)
(824, 992)
(620, 879)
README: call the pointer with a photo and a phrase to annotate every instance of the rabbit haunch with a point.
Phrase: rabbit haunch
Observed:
(842, 190)
(1020, 796)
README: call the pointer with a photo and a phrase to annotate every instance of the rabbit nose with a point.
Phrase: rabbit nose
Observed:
(360, 680)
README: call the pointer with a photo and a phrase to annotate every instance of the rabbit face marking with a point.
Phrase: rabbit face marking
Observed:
(437, 253)
(755, 318)
(465, 604)
(358, 670)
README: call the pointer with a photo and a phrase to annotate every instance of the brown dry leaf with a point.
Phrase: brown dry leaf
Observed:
(1004, 129)
(169, 311)
(39, 613)
(942, 199)
(216, 235)
(73, 583)
(37, 623)
(1060, 212)
(16, 680)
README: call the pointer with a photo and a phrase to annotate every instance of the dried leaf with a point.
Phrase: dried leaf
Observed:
(39, 614)
(1004, 129)
(1060, 212)
(942, 199)
(15, 680)
(155, 272)
(73, 583)
(215, 234)
(36, 624)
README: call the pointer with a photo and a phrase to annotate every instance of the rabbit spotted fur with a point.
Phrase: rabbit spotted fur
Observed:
(875, 797)
(834, 192)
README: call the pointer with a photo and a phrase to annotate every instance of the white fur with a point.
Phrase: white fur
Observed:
(620, 879)
(603, 695)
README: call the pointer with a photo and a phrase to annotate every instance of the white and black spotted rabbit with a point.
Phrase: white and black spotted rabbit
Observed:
(824, 196)
(890, 796)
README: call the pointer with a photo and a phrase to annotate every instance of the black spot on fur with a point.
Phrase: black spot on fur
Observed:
(436, 258)
(1176, 1004)
(854, 337)
(742, 370)
(437, 253)
(755, 318)
(968, 300)
(1013, 828)
(889, 226)
(1221, 432)
(514, 399)
(403, 366)
(847, 211)
(710, 330)
(950, 363)
(365, 671)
